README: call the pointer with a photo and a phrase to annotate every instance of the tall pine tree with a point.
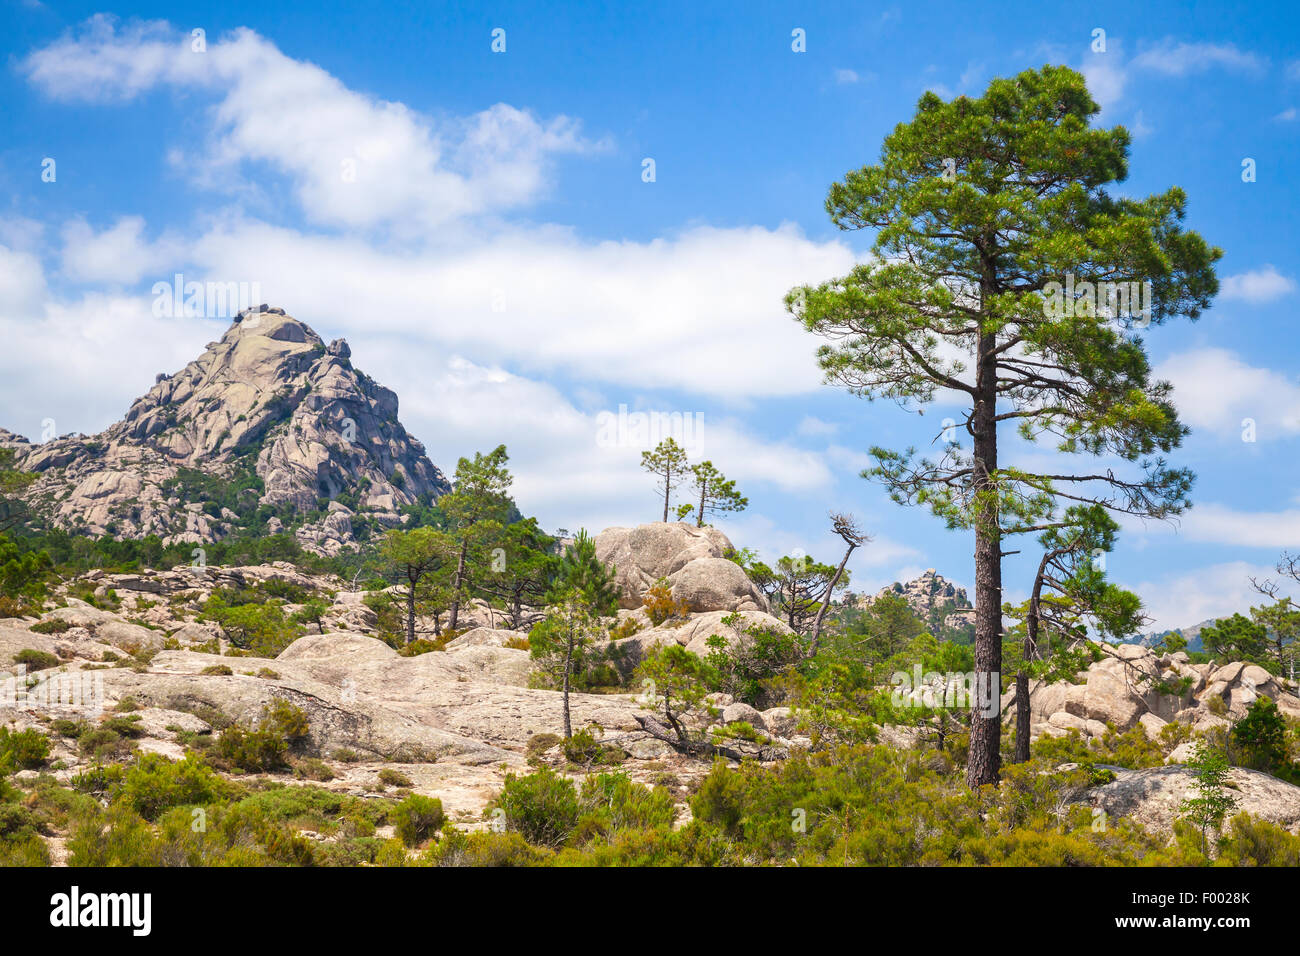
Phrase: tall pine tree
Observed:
(994, 237)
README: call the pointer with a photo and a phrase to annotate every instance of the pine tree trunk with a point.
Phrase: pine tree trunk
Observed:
(984, 762)
(1022, 678)
(410, 611)
(455, 596)
(568, 664)
(1022, 718)
(826, 602)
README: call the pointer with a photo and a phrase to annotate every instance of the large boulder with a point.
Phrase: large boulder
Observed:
(695, 631)
(717, 584)
(15, 640)
(1131, 686)
(1115, 691)
(339, 717)
(693, 634)
(692, 560)
(485, 637)
(1152, 797)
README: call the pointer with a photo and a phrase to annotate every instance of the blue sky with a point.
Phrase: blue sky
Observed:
(498, 260)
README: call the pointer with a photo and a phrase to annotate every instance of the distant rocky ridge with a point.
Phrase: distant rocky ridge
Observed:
(271, 409)
(1191, 634)
(931, 597)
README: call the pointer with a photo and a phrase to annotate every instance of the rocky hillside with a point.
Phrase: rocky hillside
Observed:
(454, 721)
(261, 427)
(166, 679)
(1133, 685)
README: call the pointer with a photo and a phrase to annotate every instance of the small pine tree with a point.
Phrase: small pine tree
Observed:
(716, 493)
(579, 573)
(1212, 803)
(1260, 737)
(669, 464)
(559, 644)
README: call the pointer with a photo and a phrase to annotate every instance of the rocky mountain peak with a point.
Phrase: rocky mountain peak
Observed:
(932, 598)
(269, 407)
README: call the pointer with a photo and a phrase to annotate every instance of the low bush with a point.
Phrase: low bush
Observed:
(23, 749)
(389, 777)
(542, 807)
(35, 660)
(417, 818)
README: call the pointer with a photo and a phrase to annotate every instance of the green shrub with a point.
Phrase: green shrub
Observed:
(1132, 749)
(393, 778)
(249, 624)
(313, 768)
(485, 849)
(1259, 843)
(617, 802)
(392, 853)
(124, 726)
(287, 719)
(155, 784)
(422, 645)
(25, 850)
(585, 750)
(23, 749)
(417, 818)
(1259, 739)
(251, 751)
(35, 660)
(538, 744)
(282, 727)
(69, 728)
(542, 806)
(55, 625)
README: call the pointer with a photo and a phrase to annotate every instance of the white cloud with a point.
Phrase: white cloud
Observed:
(1108, 74)
(82, 362)
(1215, 390)
(851, 460)
(812, 426)
(1288, 115)
(971, 75)
(354, 160)
(1182, 59)
(119, 255)
(1105, 75)
(701, 311)
(463, 324)
(1185, 599)
(1220, 524)
(22, 284)
(1256, 286)
(846, 76)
